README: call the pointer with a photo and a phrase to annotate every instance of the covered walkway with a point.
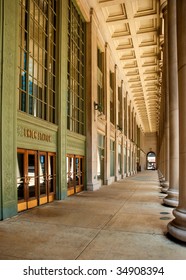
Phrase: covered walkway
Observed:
(125, 220)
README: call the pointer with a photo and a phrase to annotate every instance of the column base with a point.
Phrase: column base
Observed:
(171, 199)
(177, 227)
(164, 190)
(94, 186)
(165, 184)
(117, 178)
(162, 179)
(109, 181)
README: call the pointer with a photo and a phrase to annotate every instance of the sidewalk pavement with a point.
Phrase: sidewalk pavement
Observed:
(123, 221)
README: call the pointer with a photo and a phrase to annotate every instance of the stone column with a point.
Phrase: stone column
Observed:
(107, 102)
(161, 128)
(122, 126)
(165, 184)
(177, 227)
(172, 198)
(127, 136)
(91, 117)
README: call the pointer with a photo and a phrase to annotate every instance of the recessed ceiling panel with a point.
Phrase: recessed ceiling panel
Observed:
(120, 30)
(133, 27)
(115, 12)
(144, 7)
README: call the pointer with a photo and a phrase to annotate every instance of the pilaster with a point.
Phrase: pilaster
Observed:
(9, 26)
(61, 191)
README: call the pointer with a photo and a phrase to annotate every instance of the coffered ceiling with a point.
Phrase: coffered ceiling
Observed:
(133, 27)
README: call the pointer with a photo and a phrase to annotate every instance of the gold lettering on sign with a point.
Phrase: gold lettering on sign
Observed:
(33, 134)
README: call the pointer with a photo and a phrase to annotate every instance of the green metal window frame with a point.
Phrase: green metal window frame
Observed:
(76, 71)
(37, 58)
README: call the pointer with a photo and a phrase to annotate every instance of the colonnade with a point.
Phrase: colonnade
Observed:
(172, 133)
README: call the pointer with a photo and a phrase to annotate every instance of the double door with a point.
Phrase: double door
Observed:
(75, 174)
(36, 178)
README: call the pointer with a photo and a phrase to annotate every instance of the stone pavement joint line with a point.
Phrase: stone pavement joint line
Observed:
(125, 220)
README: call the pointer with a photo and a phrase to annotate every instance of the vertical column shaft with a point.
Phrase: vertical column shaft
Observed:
(91, 118)
(172, 198)
(177, 227)
(166, 93)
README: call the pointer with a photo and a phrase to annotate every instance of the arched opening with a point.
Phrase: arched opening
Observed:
(151, 161)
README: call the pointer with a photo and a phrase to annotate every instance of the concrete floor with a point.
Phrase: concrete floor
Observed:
(123, 221)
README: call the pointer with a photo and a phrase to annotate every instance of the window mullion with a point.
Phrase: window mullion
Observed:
(47, 65)
(27, 55)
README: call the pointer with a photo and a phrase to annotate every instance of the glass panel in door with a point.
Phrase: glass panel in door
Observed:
(70, 174)
(21, 182)
(31, 179)
(79, 172)
(51, 176)
(42, 178)
(20, 176)
(31, 176)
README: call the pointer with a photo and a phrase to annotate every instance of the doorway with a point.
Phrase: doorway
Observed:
(36, 178)
(75, 174)
(151, 161)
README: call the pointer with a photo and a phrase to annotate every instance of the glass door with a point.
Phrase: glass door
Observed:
(21, 180)
(36, 178)
(42, 178)
(31, 179)
(70, 174)
(75, 174)
(26, 179)
(51, 176)
(79, 172)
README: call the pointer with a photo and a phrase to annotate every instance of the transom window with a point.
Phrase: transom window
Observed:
(37, 58)
(76, 71)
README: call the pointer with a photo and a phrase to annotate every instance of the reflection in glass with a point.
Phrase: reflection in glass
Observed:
(20, 176)
(31, 175)
(42, 174)
(70, 172)
(79, 171)
(51, 174)
(37, 29)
